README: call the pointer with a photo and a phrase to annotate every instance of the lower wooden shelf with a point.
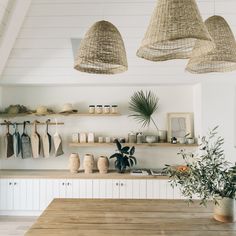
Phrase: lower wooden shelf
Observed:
(131, 144)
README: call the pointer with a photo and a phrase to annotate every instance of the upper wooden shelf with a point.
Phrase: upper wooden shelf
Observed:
(131, 144)
(57, 114)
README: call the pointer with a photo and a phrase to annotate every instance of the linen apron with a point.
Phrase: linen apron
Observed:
(35, 142)
(26, 151)
(16, 141)
(9, 143)
(57, 143)
(47, 142)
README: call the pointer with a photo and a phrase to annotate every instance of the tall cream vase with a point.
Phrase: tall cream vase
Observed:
(224, 211)
(88, 163)
(103, 164)
(74, 162)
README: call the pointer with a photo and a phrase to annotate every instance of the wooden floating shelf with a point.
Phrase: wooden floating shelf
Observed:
(57, 114)
(131, 144)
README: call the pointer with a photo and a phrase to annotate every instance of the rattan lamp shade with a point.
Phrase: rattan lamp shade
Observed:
(173, 29)
(220, 59)
(102, 50)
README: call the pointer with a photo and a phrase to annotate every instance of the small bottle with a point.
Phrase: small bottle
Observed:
(114, 109)
(106, 109)
(91, 109)
(99, 109)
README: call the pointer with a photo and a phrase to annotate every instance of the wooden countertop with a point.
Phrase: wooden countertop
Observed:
(65, 174)
(113, 217)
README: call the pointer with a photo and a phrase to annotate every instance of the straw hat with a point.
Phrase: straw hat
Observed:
(67, 109)
(42, 111)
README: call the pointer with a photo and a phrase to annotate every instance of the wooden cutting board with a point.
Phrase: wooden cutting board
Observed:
(112, 217)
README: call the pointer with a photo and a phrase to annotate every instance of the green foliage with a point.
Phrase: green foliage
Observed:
(208, 175)
(144, 105)
(124, 157)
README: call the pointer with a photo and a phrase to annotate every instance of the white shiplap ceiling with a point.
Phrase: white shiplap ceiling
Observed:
(42, 53)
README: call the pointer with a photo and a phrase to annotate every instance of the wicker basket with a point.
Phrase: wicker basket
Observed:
(174, 27)
(102, 50)
(220, 59)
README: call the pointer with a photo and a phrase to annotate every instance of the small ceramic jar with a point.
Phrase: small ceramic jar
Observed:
(90, 137)
(103, 164)
(82, 138)
(99, 109)
(91, 109)
(114, 109)
(162, 134)
(106, 109)
(140, 138)
(88, 163)
(108, 139)
(75, 138)
(132, 137)
(100, 139)
(74, 162)
(150, 138)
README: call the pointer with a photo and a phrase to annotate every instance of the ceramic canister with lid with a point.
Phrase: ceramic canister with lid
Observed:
(88, 163)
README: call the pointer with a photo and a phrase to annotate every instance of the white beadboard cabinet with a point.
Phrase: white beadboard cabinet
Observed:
(119, 189)
(34, 195)
(64, 188)
(19, 194)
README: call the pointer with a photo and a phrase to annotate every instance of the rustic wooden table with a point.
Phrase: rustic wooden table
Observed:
(110, 217)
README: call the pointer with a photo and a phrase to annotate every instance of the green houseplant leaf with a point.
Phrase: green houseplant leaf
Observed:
(144, 105)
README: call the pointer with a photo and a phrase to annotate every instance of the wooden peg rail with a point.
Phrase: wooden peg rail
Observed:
(32, 123)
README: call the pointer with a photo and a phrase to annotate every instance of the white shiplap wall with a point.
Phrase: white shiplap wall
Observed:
(42, 53)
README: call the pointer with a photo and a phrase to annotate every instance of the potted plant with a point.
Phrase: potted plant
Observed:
(124, 157)
(208, 176)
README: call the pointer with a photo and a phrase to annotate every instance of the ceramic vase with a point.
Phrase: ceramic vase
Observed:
(224, 210)
(162, 134)
(150, 138)
(103, 164)
(88, 163)
(74, 162)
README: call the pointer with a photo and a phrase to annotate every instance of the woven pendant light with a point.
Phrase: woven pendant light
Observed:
(102, 50)
(173, 29)
(220, 59)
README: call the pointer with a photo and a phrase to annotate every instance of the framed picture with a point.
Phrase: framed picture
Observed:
(179, 124)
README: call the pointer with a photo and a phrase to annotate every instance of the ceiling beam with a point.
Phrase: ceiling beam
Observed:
(12, 29)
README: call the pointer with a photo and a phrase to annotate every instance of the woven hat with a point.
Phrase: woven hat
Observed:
(173, 29)
(68, 108)
(220, 59)
(102, 50)
(42, 111)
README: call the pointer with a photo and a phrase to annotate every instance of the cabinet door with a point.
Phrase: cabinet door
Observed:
(49, 189)
(115, 188)
(139, 189)
(126, 189)
(102, 188)
(25, 194)
(6, 194)
(159, 189)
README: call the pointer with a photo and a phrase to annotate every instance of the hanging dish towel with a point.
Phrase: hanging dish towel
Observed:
(26, 150)
(58, 143)
(9, 143)
(35, 142)
(16, 141)
(47, 142)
